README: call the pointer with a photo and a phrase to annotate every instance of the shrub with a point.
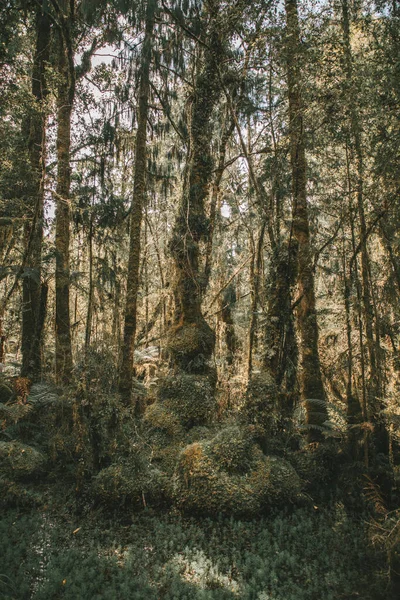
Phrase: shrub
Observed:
(18, 460)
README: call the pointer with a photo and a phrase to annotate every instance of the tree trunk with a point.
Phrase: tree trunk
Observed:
(374, 384)
(228, 128)
(65, 99)
(137, 204)
(191, 340)
(31, 283)
(312, 389)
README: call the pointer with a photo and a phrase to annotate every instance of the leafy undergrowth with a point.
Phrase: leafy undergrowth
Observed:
(307, 554)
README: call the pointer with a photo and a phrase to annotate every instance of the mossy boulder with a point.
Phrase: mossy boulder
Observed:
(158, 416)
(190, 397)
(19, 460)
(229, 474)
(125, 485)
(191, 345)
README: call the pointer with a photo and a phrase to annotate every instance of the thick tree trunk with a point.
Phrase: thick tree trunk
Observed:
(191, 340)
(65, 99)
(312, 389)
(137, 205)
(31, 283)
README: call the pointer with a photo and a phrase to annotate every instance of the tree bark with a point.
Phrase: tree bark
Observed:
(312, 389)
(137, 205)
(65, 100)
(31, 283)
(191, 340)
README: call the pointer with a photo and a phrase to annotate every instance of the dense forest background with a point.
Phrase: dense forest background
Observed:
(199, 293)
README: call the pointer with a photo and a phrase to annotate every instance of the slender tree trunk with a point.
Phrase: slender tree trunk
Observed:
(89, 316)
(137, 205)
(231, 342)
(374, 384)
(31, 283)
(229, 126)
(65, 100)
(255, 276)
(312, 389)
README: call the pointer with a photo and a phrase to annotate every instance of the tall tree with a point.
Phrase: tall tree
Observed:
(136, 209)
(65, 17)
(312, 389)
(34, 293)
(355, 138)
(191, 340)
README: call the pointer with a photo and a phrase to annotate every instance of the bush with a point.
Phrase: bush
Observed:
(18, 460)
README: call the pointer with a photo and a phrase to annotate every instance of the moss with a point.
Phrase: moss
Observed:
(125, 484)
(229, 474)
(191, 345)
(233, 449)
(14, 494)
(260, 406)
(190, 397)
(19, 460)
(159, 417)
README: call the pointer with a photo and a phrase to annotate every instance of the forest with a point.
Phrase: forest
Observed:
(199, 299)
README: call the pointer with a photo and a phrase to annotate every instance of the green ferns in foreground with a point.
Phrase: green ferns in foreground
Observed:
(304, 555)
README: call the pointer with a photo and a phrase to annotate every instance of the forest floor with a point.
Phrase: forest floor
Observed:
(53, 552)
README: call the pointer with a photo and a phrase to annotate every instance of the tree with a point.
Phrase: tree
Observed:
(34, 291)
(136, 209)
(312, 389)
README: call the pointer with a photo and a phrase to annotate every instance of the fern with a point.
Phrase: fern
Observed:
(42, 395)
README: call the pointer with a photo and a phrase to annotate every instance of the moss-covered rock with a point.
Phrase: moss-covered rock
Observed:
(191, 345)
(159, 417)
(15, 494)
(123, 484)
(118, 484)
(18, 460)
(233, 449)
(190, 397)
(229, 474)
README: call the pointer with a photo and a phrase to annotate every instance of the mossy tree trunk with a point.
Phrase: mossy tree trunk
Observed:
(65, 100)
(190, 338)
(312, 389)
(32, 324)
(137, 205)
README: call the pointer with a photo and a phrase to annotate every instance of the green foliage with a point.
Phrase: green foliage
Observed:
(305, 555)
